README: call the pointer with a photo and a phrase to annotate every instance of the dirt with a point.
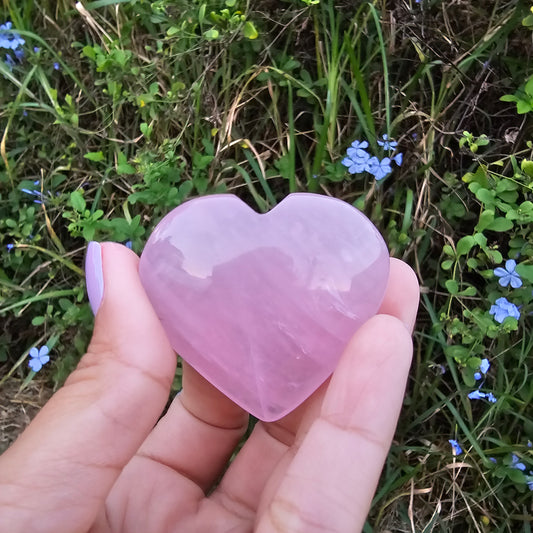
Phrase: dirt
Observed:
(19, 407)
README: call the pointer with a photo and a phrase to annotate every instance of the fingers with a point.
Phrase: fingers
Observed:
(402, 294)
(330, 482)
(69, 457)
(199, 432)
(262, 463)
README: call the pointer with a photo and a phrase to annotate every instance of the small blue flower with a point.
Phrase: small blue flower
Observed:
(477, 376)
(502, 309)
(516, 463)
(19, 54)
(492, 459)
(387, 144)
(56, 66)
(36, 49)
(491, 398)
(484, 365)
(359, 145)
(379, 169)
(38, 358)
(508, 275)
(398, 159)
(35, 192)
(356, 157)
(456, 448)
(128, 244)
(10, 40)
(10, 247)
(357, 164)
(476, 395)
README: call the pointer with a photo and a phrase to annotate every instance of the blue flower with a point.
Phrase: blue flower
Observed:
(36, 49)
(508, 275)
(491, 398)
(476, 395)
(10, 247)
(36, 193)
(8, 39)
(387, 144)
(56, 66)
(483, 369)
(398, 159)
(356, 157)
(379, 169)
(356, 166)
(516, 463)
(358, 145)
(39, 357)
(502, 309)
(128, 244)
(456, 448)
(484, 365)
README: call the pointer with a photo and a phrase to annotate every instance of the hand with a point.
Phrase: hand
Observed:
(92, 459)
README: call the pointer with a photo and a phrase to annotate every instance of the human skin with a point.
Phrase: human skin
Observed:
(92, 459)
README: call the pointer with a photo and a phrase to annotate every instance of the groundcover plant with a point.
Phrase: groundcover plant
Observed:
(416, 112)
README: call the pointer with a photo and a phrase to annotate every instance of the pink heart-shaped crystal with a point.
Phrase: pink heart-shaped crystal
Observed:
(263, 305)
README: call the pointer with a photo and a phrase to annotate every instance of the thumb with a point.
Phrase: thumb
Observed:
(57, 475)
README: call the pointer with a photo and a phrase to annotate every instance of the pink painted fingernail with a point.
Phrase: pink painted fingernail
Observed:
(94, 275)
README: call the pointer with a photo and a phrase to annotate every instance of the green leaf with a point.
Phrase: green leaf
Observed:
(527, 167)
(525, 272)
(88, 233)
(249, 30)
(448, 250)
(451, 286)
(480, 239)
(509, 98)
(122, 165)
(211, 34)
(500, 224)
(94, 156)
(447, 264)
(485, 196)
(529, 87)
(469, 291)
(464, 245)
(77, 201)
(38, 321)
(486, 218)
(457, 352)
(472, 263)
(522, 107)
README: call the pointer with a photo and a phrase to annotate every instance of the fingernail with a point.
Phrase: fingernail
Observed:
(94, 275)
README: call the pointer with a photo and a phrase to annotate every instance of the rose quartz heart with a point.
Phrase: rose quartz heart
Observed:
(263, 305)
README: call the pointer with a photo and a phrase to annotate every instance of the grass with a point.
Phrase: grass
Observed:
(152, 103)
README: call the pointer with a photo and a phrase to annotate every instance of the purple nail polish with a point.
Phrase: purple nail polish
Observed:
(94, 275)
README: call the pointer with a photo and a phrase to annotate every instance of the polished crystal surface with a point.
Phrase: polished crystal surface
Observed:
(262, 305)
